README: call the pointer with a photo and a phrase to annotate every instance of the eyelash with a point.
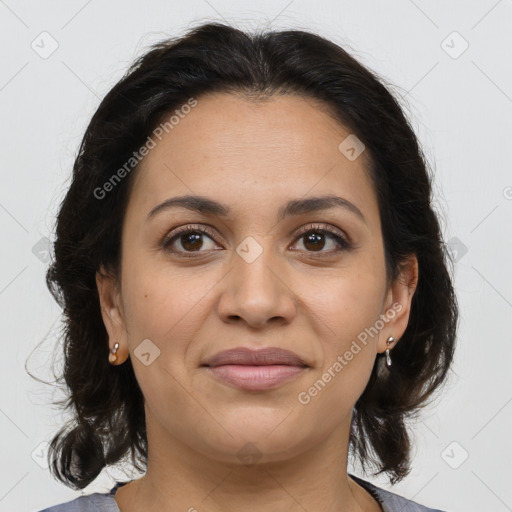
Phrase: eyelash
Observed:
(342, 241)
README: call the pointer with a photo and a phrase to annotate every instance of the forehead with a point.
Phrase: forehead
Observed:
(279, 126)
(252, 152)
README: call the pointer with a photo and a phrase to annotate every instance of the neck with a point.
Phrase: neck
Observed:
(180, 478)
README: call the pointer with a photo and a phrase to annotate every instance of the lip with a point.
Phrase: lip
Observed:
(255, 370)
(255, 357)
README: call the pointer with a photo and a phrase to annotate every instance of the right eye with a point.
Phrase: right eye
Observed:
(189, 237)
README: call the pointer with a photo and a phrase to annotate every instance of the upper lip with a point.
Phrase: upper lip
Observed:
(256, 357)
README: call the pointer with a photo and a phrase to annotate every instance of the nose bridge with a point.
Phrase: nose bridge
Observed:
(256, 265)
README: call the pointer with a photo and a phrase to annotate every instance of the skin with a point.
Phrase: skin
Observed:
(253, 157)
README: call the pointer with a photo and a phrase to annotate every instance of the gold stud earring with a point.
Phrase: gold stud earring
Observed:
(112, 357)
(388, 357)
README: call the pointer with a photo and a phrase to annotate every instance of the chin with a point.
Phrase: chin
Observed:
(257, 439)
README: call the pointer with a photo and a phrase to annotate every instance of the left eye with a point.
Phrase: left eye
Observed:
(190, 239)
(315, 237)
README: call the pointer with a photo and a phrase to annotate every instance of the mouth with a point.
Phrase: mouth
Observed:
(255, 370)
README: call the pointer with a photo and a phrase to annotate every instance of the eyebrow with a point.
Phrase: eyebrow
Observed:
(208, 206)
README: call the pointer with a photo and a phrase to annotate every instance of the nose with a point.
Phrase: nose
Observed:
(257, 291)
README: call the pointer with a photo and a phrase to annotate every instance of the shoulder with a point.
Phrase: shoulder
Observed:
(391, 501)
(96, 502)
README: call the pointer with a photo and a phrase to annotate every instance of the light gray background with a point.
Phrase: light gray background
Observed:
(461, 105)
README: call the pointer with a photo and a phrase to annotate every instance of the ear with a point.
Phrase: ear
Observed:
(112, 312)
(397, 306)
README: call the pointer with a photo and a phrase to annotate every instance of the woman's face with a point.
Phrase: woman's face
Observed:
(255, 280)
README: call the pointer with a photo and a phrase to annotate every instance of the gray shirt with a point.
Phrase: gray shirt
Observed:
(105, 502)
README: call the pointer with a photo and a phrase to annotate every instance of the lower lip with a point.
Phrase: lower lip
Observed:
(255, 378)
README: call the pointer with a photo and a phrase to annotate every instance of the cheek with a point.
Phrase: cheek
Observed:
(165, 309)
(349, 303)
(349, 353)
(350, 311)
(164, 305)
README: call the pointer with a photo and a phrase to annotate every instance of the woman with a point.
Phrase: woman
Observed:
(254, 282)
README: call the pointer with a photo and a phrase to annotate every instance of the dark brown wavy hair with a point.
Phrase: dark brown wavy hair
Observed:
(108, 421)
